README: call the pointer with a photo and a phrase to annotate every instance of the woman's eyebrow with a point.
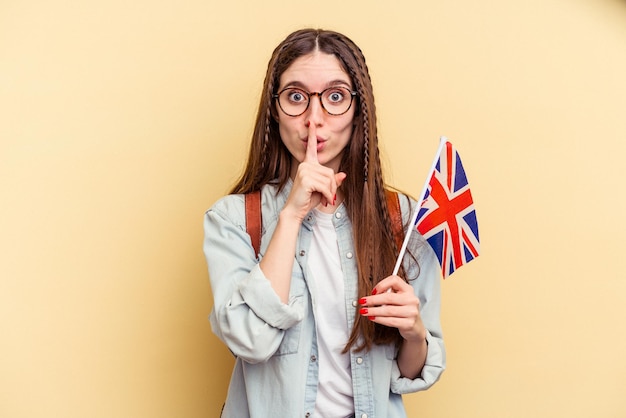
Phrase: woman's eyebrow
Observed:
(338, 82)
(295, 84)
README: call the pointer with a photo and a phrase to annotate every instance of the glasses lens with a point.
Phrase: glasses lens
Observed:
(293, 101)
(336, 100)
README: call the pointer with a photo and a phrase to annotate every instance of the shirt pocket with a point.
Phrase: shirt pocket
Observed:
(291, 338)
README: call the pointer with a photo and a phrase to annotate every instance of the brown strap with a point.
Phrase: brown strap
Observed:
(393, 205)
(254, 219)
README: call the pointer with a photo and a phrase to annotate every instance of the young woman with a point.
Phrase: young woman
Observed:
(318, 325)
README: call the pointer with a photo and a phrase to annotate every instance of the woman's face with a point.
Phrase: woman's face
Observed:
(316, 72)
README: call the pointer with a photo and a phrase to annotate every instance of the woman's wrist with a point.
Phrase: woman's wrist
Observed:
(289, 217)
(417, 338)
(412, 357)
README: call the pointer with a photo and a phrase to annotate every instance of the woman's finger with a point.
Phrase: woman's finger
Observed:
(311, 145)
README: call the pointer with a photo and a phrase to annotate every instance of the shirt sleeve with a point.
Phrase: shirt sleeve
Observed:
(426, 281)
(248, 316)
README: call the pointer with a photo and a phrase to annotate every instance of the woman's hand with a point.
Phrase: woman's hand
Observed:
(393, 303)
(313, 183)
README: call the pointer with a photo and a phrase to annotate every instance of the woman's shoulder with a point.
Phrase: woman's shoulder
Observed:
(230, 207)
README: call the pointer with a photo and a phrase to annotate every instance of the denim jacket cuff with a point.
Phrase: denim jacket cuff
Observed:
(258, 294)
(433, 368)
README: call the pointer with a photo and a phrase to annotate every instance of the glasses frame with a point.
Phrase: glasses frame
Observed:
(319, 94)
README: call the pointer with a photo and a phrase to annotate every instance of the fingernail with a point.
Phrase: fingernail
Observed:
(371, 318)
(363, 311)
(362, 301)
(374, 291)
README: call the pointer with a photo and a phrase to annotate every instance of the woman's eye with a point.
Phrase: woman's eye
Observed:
(335, 96)
(297, 97)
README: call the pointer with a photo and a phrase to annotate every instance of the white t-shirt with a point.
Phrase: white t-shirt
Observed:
(334, 392)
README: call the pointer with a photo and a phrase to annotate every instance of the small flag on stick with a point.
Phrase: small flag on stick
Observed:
(445, 215)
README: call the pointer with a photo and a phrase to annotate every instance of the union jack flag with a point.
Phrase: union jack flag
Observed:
(447, 218)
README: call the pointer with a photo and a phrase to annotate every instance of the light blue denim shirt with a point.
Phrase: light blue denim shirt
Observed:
(275, 344)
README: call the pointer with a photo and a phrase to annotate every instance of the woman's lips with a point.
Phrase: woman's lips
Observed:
(320, 143)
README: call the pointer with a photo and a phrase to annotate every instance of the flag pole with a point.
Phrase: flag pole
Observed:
(411, 227)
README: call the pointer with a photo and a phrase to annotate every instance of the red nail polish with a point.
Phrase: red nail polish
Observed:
(362, 301)
(371, 318)
(363, 311)
(374, 291)
(334, 199)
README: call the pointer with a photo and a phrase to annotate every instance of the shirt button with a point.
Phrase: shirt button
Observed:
(354, 303)
(313, 359)
(307, 415)
(349, 254)
(302, 252)
(364, 416)
(359, 360)
(338, 215)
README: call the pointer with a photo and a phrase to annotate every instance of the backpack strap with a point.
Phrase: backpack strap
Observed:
(254, 220)
(393, 205)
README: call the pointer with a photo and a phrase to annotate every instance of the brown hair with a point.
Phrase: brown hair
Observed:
(270, 161)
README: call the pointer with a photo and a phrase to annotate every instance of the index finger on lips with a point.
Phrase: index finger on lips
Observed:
(311, 145)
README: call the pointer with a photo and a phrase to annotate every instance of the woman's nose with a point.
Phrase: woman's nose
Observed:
(315, 110)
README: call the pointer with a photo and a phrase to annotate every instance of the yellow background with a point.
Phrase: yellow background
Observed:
(121, 122)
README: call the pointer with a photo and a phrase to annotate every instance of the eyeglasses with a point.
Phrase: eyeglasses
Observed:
(334, 100)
